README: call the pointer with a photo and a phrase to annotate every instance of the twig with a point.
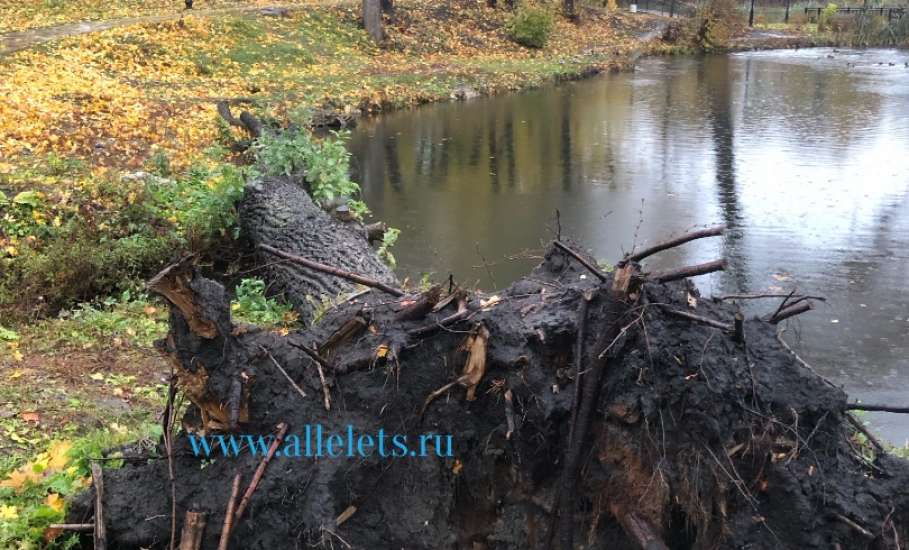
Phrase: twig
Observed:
(790, 311)
(353, 277)
(578, 362)
(687, 271)
(876, 408)
(260, 471)
(672, 243)
(509, 413)
(326, 395)
(590, 267)
(462, 314)
(782, 304)
(486, 265)
(284, 372)
(345, 515)
(432, 396)
(802, 362)
(767, 295)
(99, 527)
(169, 446)
(83, 527)
(229, 515)
(698, 318)
(312, 354)
(864, 532)
(864, 431)
(739, 327)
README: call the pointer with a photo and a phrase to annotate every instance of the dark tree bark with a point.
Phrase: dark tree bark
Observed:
(388, 6)
(372, 19)
(278, 212)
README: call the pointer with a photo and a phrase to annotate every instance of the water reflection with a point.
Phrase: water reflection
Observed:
(804, 156)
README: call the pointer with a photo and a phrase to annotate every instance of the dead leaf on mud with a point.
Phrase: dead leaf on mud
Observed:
(30, 416)
(490, 302)
(692, 301)
(475, 367)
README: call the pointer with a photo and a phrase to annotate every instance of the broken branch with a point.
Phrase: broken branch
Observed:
(672, 243)
(260, 471)
(790, 311)
(768, 295)
(246, 121)
(697, 318)
(229, 514)
(100, 535)
(687, 271)
(590, 267)
(284, 372)
(81, 527)
(876, 408)
(353, 277)
(193, 528)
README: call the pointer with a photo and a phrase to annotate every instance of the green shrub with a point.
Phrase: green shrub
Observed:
(252, 306)
(530, 27)
(389, 238)
(826, 15)
(324, 164)
(61, 248)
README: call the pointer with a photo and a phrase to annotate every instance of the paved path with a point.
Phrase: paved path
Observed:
(15, 41)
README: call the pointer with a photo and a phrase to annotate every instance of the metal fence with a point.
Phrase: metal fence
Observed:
(669, 8)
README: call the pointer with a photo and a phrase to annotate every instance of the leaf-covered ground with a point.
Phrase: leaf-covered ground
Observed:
(113, 97)
(31, 14)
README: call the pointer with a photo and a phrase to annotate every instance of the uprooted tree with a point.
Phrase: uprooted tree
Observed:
(588, 410)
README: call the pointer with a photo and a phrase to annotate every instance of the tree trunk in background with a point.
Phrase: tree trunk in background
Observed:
(568, 6)
(388, 6)
(372, 19)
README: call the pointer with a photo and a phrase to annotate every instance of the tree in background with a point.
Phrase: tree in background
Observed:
(372, 19)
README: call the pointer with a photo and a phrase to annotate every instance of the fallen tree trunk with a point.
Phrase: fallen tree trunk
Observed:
(679, 436)
(278, 213)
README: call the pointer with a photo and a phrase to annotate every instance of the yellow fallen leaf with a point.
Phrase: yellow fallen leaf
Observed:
(18, 479)
(55, 502)
(59, 455)
(8, 512)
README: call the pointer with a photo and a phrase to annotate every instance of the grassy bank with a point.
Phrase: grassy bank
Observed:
(113, 156)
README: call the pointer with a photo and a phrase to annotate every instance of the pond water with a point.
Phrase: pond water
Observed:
(804, 155)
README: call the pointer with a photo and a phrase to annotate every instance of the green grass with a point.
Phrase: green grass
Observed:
(37, 488)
